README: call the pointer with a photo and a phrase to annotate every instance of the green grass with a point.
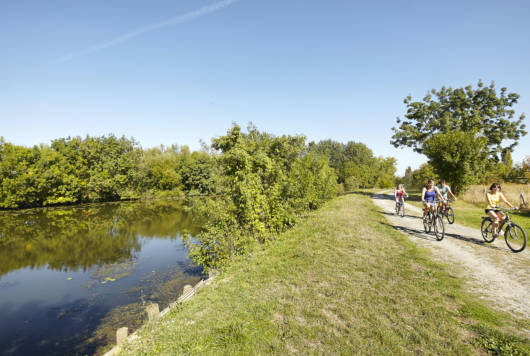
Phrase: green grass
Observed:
(341, 282)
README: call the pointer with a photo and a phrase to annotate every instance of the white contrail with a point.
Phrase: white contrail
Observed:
(148, 28)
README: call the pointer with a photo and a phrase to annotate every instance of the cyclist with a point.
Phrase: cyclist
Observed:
(492, 199)
(429, 193)
(446, 191)
(398, 194)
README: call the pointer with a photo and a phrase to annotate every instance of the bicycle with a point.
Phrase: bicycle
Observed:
(400, 207)
(514, 235)
(448, 212)
(434, 221)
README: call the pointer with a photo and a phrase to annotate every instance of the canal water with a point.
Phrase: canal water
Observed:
(69, 277)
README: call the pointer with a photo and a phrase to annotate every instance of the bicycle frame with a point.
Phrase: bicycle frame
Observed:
(400, 204)
(445, 204)
(512, 231)
(431, 220)
(506, 221)
(435, 207)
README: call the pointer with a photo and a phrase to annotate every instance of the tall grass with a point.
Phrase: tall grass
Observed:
(477, 193)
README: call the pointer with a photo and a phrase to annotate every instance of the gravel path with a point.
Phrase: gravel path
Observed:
(491, 271)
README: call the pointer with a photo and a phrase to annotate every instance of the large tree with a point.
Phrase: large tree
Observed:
(486, 119)
(457, 157)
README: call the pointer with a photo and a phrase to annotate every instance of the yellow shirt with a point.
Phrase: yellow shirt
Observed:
(494, 199)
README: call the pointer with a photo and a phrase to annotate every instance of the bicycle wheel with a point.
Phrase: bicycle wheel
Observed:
(515, 237)
(450, 215)
(486, 230)
(402, 210)
(439, 228)
(427, 222)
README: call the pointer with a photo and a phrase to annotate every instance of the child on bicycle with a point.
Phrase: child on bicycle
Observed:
(493, 198)
(445, 190)
(398, 194)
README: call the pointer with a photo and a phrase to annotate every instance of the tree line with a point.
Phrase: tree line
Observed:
(97, 169)
(108, 168)
(355, 165)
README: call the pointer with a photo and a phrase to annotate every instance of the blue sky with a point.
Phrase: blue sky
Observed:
(170, 72)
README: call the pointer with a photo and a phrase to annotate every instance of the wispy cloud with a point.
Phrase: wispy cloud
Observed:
(205, 10)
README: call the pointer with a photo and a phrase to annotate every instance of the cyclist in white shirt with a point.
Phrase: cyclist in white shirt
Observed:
(445, 190)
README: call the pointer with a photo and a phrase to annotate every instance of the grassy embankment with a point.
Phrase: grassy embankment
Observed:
(340, 282)
(469, 208)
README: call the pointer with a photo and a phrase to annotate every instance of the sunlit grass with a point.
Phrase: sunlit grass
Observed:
(341, 282)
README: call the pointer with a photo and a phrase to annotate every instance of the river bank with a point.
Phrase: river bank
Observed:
(343, 281)
(70, 276)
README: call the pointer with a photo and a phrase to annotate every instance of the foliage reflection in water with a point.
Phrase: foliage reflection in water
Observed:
(69, 277)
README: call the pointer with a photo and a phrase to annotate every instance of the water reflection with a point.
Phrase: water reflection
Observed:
(69, 277)
(81, 237)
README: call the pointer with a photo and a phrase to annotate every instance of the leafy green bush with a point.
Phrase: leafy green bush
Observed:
(266, 182)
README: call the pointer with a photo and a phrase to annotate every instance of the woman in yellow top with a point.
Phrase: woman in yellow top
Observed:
(493, 211)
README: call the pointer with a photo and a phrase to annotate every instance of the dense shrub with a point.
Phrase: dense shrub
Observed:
(266, 181)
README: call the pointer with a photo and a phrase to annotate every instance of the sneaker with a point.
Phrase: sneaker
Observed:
(495, 235)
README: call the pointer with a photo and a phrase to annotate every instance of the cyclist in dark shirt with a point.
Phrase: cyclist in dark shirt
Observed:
(429, 193)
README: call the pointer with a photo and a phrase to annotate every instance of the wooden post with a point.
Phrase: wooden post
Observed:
(212, 273)
(186, 289)
(152, 311)
(121, 335)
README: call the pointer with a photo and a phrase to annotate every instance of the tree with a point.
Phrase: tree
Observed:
(462, 166)
(265, 183)
(422, 174)
(479, 111)
(480, 119)
(526, 168)
(407, 178)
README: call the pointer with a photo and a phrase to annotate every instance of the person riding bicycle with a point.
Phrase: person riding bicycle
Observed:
(492, 199)
(399, 193)
(446, 191)
(429, 193)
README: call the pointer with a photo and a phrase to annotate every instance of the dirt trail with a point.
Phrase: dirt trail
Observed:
(491, 271)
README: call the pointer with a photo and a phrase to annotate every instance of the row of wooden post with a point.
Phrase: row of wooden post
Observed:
(153, 313)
